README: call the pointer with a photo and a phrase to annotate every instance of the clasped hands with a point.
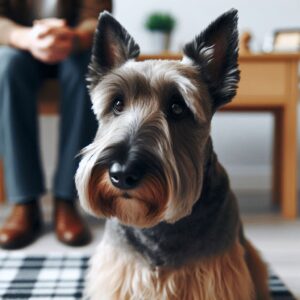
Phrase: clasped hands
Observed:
(51, 40)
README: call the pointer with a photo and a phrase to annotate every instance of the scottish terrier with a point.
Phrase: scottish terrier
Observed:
(173, 229)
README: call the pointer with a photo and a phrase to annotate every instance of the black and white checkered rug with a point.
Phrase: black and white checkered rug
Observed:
(59, 277)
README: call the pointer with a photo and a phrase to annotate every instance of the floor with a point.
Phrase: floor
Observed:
(278, 240)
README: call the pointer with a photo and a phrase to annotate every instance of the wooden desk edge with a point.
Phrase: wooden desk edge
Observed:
(242, 57)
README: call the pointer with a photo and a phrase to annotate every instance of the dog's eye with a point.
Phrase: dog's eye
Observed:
(118, 105)
(177, 108)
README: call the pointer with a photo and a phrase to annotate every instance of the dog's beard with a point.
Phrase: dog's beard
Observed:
(141, 207)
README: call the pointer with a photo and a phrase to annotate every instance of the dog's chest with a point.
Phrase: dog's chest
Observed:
(120, 274)
(173, 245)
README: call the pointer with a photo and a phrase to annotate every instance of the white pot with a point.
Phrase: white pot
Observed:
(160, 42)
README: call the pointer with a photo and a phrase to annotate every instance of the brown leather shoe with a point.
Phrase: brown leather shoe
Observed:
(22, 227)
(70, 228)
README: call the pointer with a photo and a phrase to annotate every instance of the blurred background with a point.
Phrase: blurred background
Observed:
(243, 149)
(243, 140)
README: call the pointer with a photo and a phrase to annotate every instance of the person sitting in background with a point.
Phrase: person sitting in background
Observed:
(38, 39)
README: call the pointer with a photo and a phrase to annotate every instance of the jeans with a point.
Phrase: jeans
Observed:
(20, 79)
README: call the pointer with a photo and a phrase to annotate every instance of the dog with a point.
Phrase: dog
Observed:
(173, 230)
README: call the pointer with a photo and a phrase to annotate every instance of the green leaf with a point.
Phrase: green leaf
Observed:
(160, 22)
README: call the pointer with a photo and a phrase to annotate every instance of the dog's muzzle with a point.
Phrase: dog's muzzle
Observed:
(126, 175)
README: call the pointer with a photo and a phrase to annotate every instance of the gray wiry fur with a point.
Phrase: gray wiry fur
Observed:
(112, 47)
(183, 148)
(146, 87)
(209, 230)
(199, 216)
(215, 52)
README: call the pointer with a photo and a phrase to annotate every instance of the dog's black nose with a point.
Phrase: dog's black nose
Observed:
(125, 176)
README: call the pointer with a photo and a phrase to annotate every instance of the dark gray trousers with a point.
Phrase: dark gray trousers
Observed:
(20, 78)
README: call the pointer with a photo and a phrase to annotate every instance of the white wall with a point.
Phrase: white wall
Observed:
(259, 16)
(243, 141)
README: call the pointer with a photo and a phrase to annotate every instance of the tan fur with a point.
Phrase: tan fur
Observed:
(258, 271)
(142, 207)
(116, 275)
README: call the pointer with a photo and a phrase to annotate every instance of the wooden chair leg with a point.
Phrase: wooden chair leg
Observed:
(2, 193)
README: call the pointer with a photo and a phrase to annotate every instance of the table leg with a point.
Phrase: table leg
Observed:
(289, 150)
(289, 162)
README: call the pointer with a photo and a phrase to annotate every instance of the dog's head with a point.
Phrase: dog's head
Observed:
(147, 161)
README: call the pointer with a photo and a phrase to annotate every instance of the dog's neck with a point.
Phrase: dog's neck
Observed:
(209, 230)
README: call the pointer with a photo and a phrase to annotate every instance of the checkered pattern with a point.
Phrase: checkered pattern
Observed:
(42, 277)
(59, 277)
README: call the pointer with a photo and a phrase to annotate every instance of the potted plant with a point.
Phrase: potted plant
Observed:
(161, 26)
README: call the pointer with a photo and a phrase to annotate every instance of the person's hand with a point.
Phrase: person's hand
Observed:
(50, 40)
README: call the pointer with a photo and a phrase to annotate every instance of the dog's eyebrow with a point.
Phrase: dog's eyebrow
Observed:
(165, 75)
(195, 106)
(190, 94)
(131, 82)
(148, 79)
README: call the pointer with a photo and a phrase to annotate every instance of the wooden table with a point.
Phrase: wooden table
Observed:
(269, 82)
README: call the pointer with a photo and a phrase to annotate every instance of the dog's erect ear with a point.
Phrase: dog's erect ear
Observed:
(215, 52)
(112, 47)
